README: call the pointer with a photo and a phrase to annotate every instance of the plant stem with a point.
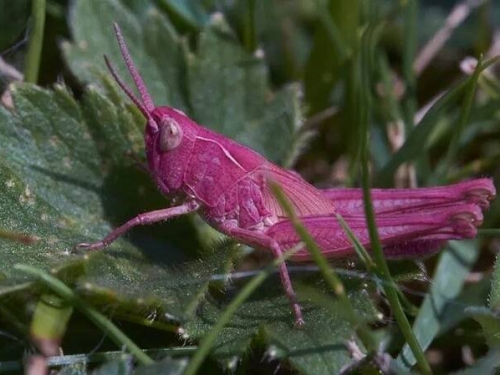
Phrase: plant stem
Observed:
(209, 338)
(99, 320)
(409, 52)
(19, 237)
(249, 32)
(383, 272)
(36, 40)
(327, 271)
(489, 232)
(454, 145)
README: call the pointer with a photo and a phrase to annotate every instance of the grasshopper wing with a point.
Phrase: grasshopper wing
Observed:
(306, 200)
(390, 201)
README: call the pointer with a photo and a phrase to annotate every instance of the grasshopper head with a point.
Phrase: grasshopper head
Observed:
(166, 128)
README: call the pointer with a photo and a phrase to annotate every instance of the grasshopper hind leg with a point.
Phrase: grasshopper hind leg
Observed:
(261, 240)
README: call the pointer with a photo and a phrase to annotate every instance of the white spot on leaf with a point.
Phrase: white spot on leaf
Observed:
(232, 363)
(67, 162)
(27, 197)
(52, 240)
(259, 53)
(54, 141)
(217, 17)
(272, 352)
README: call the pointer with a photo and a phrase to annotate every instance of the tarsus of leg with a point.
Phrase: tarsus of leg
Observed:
(141, 219)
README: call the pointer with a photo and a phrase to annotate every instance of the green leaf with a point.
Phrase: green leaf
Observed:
(168, 366)
(320, 347)
(335, 40)
(71, 158)
(486, 365)
(13, 18)
(453, 268)
(67, 180)
(189, 12)
(37, 144)
(490, 323)
(421, 133)
(488, 316)
(153, 43)
(323, 346)
(117, 367)
(219, 84)
(229, 92)
(456, 311)
(495, 286)
(74, 369)
(65, 175)
(142, 287)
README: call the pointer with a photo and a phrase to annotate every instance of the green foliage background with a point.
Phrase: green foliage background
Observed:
(288, 79)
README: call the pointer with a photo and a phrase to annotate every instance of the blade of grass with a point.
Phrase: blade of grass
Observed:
(413, 144)
(390, 111)
(36, 40)
(488, 364)
(354, 87)
(477, 167)
(182, 13)
(97, 358)
(389, 286)
(490, 232)
(409, 52)
(457, 131)
(332, 30)
(370, 264)
(249, 32)
(414, 141)
(209, 339)
(326, 270)
(358, 246)
(490, 85)
(61, 289)
(409, 102)
(49, 323)
(454, 266)
(19, 237)
(494, 300)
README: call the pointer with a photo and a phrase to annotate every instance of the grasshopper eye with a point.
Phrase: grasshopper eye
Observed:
(170, 135)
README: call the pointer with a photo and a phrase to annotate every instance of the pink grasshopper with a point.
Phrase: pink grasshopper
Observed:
(226, 183)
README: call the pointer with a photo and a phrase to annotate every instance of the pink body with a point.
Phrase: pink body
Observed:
(227, 183)
(226, 178)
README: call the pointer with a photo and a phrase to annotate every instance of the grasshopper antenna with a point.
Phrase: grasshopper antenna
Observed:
(125, 88)
(147, 105)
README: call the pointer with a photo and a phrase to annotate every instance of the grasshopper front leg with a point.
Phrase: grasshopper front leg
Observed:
(264, 241)
(141, 219)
